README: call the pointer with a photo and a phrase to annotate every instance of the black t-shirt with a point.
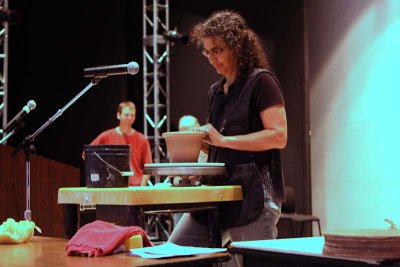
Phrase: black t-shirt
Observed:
(238, 112)
(265, 93)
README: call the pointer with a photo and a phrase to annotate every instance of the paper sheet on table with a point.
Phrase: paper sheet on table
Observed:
(169, 249)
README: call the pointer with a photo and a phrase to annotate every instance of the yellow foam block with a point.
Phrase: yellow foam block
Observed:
(134, 241)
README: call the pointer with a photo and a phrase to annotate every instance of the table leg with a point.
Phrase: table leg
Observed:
(214, 229)
(70, 220)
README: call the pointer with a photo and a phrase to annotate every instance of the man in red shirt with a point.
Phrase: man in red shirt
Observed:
(124, 134)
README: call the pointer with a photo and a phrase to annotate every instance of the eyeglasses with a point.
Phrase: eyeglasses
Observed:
(216, 51)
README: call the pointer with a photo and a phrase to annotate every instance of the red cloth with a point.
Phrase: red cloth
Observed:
(140, 150)
(100, 238)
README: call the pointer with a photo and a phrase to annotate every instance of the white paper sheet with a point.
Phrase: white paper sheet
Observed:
(169, 249)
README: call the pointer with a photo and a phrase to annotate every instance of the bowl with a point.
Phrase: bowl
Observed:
(184, 146)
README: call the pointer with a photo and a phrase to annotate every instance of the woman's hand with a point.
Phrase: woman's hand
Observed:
(213, 137)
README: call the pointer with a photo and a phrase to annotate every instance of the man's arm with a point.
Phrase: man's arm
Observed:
(145, 179)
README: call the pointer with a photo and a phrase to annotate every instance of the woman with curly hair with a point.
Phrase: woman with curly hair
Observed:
(246, 130)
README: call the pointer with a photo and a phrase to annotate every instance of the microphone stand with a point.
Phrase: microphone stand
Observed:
(29, 148)
(19, 125)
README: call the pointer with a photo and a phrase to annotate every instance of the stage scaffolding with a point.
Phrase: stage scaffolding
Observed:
(156, 110)
(156, 69)
(4, 28)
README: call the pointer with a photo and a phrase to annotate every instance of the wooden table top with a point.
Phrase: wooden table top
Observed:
(49, 251)
(145, 195)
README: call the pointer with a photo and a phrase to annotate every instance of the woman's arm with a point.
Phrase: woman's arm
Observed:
(274, 134)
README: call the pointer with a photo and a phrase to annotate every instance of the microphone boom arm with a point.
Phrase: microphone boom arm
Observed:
(59, 112)
(29, 148)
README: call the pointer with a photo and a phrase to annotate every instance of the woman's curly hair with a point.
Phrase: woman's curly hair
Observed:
(234, 31)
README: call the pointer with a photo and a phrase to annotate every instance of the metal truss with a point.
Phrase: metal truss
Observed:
(156, 74)
(156, 96)
(4, 28)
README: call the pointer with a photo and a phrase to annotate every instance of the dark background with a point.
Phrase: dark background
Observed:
(54, 41)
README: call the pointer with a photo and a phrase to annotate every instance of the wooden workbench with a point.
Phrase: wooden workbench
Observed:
(127, 205)
(145, 195)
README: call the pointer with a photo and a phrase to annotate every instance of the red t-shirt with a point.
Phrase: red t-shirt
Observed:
(140, 150)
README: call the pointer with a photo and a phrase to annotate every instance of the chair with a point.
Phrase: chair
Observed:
(289, 213)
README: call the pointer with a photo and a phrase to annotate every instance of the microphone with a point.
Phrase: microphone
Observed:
(31, 105)
(102, 72)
